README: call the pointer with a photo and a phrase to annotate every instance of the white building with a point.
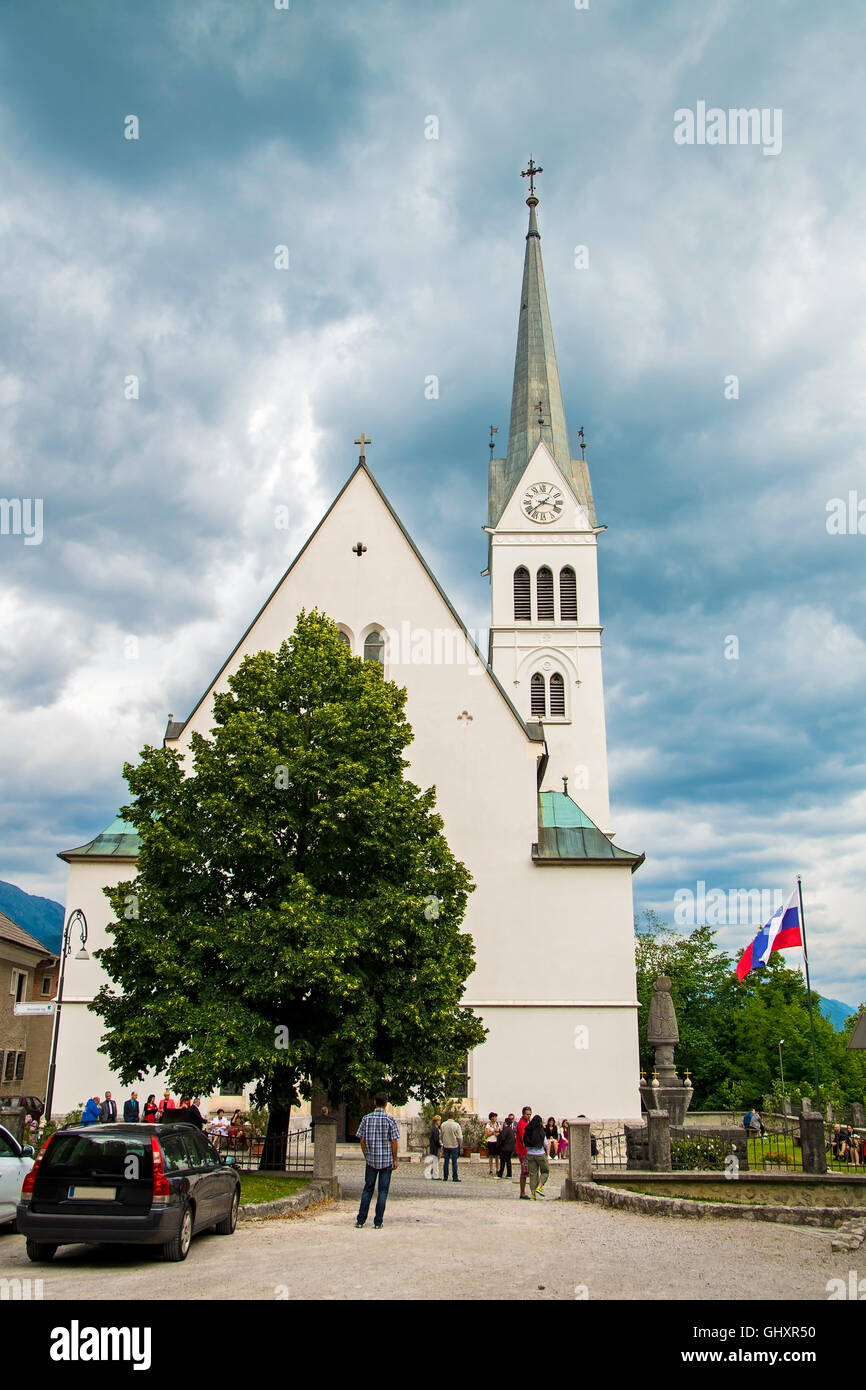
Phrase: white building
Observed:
(552, 915)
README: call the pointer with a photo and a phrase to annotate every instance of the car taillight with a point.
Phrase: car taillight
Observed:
(161, 1185)
(30, 1179)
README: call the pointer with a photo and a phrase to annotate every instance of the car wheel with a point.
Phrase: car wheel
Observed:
(226, 1227)
(178, 1247)
(40, 1252)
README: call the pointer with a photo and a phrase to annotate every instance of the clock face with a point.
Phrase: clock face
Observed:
(543, 502)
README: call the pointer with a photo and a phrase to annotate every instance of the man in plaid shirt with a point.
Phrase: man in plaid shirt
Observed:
(379, 1137)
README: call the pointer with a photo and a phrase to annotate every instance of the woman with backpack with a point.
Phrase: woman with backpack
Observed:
(537, 1144)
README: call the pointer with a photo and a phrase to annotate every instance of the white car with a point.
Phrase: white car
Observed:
(15, 1164)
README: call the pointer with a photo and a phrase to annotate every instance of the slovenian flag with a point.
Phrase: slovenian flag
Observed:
(782, 931)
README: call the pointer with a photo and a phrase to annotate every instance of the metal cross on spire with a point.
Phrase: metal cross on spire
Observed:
(494, 429)
(530, 174)
(363, 441)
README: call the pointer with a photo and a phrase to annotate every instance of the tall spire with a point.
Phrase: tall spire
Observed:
(537, 411)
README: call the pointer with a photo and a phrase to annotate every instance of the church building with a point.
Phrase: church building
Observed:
(512, 738)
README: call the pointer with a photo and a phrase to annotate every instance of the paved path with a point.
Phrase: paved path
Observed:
(472, 1241)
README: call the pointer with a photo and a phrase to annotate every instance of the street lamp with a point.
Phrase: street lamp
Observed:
(78, 919)
(782, 1070)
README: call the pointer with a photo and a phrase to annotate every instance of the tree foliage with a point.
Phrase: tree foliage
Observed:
(294, 918)
(730, 1031)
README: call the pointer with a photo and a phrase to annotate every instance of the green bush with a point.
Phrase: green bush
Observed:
(698, 1155)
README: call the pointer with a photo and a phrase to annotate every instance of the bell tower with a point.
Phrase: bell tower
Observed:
(545, 633)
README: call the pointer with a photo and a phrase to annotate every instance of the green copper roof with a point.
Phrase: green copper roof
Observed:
(536, 379)
(566, 834)
(119, 840)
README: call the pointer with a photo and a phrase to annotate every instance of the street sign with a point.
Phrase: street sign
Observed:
(24, 1010)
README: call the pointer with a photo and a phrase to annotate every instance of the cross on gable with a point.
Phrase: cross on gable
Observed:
(358, 549)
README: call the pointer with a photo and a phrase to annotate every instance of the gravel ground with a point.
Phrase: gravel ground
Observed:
(472, 1241)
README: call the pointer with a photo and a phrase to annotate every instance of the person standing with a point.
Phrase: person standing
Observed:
(108, 1110)
(452, 1142)
(507, 1141)
(379, 1138)
(537, 1146)
(520, 1150)
(492, 1131)
(166, 1104)
(435, 1146)
(151, 1110)
(91, 1112)
(131, 1110)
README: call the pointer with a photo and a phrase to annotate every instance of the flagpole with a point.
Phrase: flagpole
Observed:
(809, 991)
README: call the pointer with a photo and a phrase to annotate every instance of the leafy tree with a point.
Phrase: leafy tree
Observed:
(730, 1030)
(294, 918)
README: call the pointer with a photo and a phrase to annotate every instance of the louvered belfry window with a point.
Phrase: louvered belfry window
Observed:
(522, 610)
(538, 702)
(544, 595)
(567, 596)
(557, 694)
(374, 648)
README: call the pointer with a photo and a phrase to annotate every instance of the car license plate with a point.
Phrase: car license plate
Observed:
(93, 1194)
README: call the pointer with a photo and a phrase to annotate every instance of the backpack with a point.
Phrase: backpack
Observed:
(747, 1119)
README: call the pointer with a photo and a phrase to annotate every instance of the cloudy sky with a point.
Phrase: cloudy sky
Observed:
(733, 763)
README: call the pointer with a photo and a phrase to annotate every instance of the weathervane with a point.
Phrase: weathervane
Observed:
(494, 429)
(530, 174)
(363, 441)
(582, 441)
(540, 407)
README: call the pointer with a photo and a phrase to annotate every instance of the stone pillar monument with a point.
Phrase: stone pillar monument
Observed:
(325, 1153)
(666, 1091)
(579, 1156)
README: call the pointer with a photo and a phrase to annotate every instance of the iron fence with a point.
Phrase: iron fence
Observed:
(282, 1153)
(775, 1148)
(609, 1151)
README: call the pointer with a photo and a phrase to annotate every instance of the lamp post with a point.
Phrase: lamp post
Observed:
(782, 1070)
(78, 919)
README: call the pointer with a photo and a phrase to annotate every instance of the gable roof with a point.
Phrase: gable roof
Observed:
(566, 835)
(534, 732)
(10, 931)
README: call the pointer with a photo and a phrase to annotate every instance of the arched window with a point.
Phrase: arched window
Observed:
(374, 648)
(557, 695)
(344, 637)
(522, 612)
(544, 595)
(567, 596)
(537, 699)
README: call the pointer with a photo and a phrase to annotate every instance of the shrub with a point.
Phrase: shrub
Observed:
(698, 1155)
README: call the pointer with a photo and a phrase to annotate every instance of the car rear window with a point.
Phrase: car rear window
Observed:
(102, 1155)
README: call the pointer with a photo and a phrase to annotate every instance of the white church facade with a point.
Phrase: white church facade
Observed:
(513, 740)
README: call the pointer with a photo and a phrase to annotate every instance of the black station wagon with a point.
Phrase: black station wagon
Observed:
(127, 1185)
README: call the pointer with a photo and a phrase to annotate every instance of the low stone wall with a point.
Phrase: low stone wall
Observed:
(830, 1216)
(12, 1118)
(783, 1189)
(311, 1195)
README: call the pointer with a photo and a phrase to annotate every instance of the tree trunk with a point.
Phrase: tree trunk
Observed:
(273, 1155)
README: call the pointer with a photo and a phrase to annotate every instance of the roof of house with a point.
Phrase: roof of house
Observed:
(10, 931)
(567, 835)
(119, 840)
